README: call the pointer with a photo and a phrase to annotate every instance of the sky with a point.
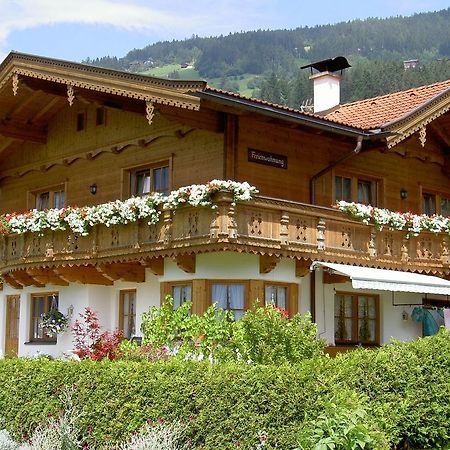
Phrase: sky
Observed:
(77, 29)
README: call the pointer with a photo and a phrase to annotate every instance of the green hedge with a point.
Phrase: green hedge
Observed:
(403, 388)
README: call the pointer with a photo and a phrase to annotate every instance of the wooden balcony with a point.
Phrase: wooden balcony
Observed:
(268, 227)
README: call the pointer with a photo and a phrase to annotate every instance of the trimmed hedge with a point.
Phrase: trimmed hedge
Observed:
(403, 388)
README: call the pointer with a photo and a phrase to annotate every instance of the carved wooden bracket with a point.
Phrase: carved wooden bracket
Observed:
(156, 265)
(25, 279)
(186, 263)
(70, 94)
(84, 275)
(302, 267)
(7, 278)
(15, 83)
(149, 111)
(133, 272)
(267, 263)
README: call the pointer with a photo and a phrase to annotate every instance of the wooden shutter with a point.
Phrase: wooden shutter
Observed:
(293, 299)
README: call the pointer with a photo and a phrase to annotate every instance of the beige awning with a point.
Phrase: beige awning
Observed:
(388, 280)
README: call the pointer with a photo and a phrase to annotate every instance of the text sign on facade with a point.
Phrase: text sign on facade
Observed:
(270, 159)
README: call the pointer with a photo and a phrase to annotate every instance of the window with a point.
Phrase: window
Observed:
(229, 296)
(50, 198)
(355, 189)
(356, 318)
(127, 313)
(435, 204)
(149, 179)
(100, 116)
(276, 295)
(81, 121)
(181, 293)
(41, 304)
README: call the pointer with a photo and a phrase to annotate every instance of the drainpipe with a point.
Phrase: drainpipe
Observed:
(312, 182)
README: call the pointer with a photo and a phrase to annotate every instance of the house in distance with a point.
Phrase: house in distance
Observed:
(74, 136)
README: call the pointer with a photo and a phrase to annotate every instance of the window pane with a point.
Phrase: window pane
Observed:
(343, 188)
(128, 319)
(42, 201)
(276, 295)
(181, 294)
(343, 318)
(365, 192)
(41, 305)
(230, 297)
(58, 199)
(161, 179)
(140, 182)
(429, 204)
(445, 206)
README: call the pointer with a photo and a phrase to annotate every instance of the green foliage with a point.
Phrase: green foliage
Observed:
(370, 399)
(268, 336)
(264, 336)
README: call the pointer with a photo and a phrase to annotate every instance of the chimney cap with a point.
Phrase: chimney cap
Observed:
(329, 65)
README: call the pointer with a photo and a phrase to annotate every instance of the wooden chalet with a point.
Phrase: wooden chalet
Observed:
(72, 134)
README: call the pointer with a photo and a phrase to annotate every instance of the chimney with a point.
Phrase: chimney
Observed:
(327, 83)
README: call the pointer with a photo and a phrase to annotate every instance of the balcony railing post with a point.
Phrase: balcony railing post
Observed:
(373, 243)
(444, 251)
(224, 225)
(405, 250)
(284, 228)
(321, 227)
(168, 225)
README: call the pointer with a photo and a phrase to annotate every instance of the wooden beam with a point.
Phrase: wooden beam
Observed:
(133, 272)
(334, 278)
(156, 265)
(5, 144)
(29, 98)
(48, 108)
(22, 277)
(302, 267)
(267, 263)
(438, 132)
(83, 274)
(7, 278)
(186, 263)
(22, 132)
(46, 276)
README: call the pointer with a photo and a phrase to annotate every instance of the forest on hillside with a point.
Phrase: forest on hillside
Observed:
(376, 49)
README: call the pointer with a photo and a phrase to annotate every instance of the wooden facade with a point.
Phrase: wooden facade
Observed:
(66, 128)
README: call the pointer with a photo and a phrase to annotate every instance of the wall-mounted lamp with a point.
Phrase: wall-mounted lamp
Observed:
(93, 188)
(405, 315)
(403, 194)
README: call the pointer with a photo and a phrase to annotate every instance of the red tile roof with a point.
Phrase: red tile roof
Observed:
(378, 111)
(368, 114)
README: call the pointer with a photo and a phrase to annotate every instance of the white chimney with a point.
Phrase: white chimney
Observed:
(327, 90)
(327, 83)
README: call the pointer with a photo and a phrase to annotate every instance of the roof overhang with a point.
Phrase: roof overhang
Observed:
(388, 280)
(282, 113)
(417, 119)
(149, 89)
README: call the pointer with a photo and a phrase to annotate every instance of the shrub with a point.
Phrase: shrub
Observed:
(89, 342)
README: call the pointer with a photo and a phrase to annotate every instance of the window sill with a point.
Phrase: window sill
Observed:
(40, 343)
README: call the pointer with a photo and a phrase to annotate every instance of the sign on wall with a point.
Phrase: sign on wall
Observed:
(269, 159)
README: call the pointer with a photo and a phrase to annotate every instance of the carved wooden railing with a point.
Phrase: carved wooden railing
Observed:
(262, 226)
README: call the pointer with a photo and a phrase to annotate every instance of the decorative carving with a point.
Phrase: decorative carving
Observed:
(13, 246)
(255, 224)
(346, 236)
(373, 243)
(168, 223)
(388, 244)
(72, 241)
(302, 267)
(70, 94)
(284, 228)
(193, 222)
(405, 250)
(267, 263)
(424, 248)
(321, 226)
(186, 263)
(149, 111)
(301, 230)
(423, 136)
(156, 265)
(115, 237)
(15, 83)
(445, 250)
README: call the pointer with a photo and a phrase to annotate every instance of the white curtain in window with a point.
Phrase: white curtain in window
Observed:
(281, 297)
(236, 296)
(219, 295)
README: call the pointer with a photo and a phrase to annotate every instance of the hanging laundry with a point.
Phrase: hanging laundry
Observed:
(432, 319)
